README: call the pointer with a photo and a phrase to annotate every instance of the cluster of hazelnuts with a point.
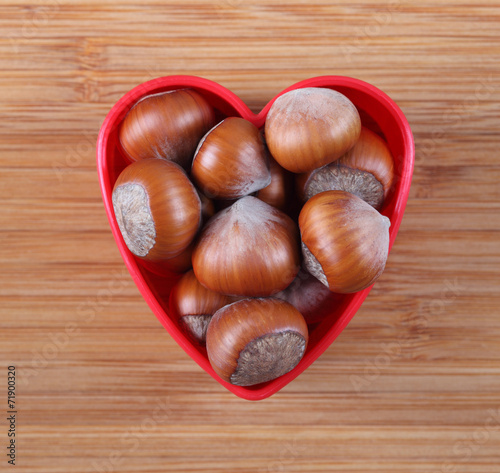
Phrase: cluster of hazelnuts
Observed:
(253, 213)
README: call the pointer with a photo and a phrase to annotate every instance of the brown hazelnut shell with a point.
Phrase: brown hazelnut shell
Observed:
(166, 125)
(366, 170)
(231, 160)
(256, 340)
(207, 207)
(310, 297)
(157, 209)
(178, 264)
(194, 305)
(278, 192)
(345, 241)
(248, 249)
(311, 127)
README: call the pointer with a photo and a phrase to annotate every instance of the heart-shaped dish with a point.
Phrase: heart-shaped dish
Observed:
(378, 112)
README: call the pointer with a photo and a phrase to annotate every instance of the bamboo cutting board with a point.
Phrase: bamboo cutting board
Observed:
(412, 385)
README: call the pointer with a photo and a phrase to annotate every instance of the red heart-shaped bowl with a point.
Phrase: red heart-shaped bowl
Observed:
(378, 112)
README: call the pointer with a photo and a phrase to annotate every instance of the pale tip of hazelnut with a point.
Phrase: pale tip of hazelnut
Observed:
(134, 218)
(313, 265)
(268, 357)
(196, 326)
(337, 176)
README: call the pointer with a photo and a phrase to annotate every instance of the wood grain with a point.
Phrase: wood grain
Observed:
(413, 383)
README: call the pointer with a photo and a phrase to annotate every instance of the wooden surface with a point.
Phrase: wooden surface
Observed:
(412, 385)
